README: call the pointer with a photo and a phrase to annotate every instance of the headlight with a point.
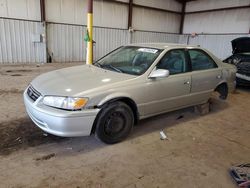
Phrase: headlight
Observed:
(67, 103)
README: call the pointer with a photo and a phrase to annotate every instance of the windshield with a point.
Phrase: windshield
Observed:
(129, 59)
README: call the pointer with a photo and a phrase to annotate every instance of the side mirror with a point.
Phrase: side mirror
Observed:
(159, 73)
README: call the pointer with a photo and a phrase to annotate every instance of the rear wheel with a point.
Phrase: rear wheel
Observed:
(222, 89)
(114, 122)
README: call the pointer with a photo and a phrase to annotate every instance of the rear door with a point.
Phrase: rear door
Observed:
(205, 75)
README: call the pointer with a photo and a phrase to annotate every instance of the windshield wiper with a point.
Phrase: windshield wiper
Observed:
(108, 67)
(112, 67)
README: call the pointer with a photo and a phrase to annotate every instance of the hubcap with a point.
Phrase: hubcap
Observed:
(114, 124)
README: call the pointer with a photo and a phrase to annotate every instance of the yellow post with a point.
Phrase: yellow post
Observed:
(89, 59)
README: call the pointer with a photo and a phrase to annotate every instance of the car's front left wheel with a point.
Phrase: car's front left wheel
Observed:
(114, 123)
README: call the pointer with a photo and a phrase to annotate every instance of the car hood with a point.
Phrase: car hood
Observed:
(241, 45)
(74, 81)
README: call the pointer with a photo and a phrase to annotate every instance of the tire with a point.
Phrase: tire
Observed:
(223, 91)
(114, 123)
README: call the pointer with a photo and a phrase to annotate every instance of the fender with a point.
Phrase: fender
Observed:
(223, 81)
(113, 96)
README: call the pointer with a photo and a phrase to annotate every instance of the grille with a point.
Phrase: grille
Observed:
(33, 94)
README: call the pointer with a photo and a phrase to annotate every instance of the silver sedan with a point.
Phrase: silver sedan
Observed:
(129, 84)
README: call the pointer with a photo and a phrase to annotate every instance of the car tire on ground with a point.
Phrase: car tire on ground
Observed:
(114, 123)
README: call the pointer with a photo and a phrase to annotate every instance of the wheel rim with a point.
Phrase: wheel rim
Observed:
(114, 124)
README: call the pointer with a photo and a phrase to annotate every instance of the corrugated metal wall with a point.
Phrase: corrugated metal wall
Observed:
(108, 39)
(219, 45)
(65, 30)
(66, 42)
(21, 9)
(152, 20)
(16, 42)
(142, 37)
(227, 21)
(107, 14)
(65, 33)
(214, 4)
(163, 4)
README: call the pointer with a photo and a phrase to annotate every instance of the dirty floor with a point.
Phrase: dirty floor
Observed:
(198, 152)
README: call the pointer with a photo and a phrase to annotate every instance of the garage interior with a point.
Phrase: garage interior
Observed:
(37, 36)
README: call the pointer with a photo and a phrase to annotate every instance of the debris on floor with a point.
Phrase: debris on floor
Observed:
(19, 139)
(45, 134)
(163, 135)
(180, 117)
(241, 175)
(46, 157)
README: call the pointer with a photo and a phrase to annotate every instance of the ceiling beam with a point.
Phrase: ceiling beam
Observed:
(143, 6)
(157, 9)
(219, 9)
(182, 1)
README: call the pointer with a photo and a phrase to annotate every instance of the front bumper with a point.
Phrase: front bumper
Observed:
(243, 80)
(60, 122)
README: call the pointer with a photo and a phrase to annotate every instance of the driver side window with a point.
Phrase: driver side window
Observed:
(174, 61)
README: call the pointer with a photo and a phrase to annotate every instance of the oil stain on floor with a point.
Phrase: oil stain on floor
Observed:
(21, 134)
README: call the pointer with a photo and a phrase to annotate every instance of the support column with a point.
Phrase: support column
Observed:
(42, 7)
(182, 17)
(130, 14)
(44, 33)
(130, 21)
(89, 58)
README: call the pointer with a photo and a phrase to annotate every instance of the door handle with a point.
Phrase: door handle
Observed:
(187, 83)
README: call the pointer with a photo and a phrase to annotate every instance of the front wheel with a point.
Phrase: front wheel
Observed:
(114, 123)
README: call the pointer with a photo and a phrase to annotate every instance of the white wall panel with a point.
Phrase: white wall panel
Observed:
(21, 9)
(229, 21)
(106, 14)
(219, 45)
(66, 42)
(16, 45)
(163, 4)
(108, 39)
(152, 20)
(214, 4)
(144, 37)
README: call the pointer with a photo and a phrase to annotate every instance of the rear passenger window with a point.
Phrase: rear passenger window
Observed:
(200, 60)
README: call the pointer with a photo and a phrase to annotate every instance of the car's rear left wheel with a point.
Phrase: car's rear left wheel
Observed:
(114, 122)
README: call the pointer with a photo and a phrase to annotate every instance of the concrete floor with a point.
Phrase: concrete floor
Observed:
(198, 153)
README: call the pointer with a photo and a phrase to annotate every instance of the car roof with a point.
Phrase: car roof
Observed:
(163, 45)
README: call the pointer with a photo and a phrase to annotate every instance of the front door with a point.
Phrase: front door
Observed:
(172, 92)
